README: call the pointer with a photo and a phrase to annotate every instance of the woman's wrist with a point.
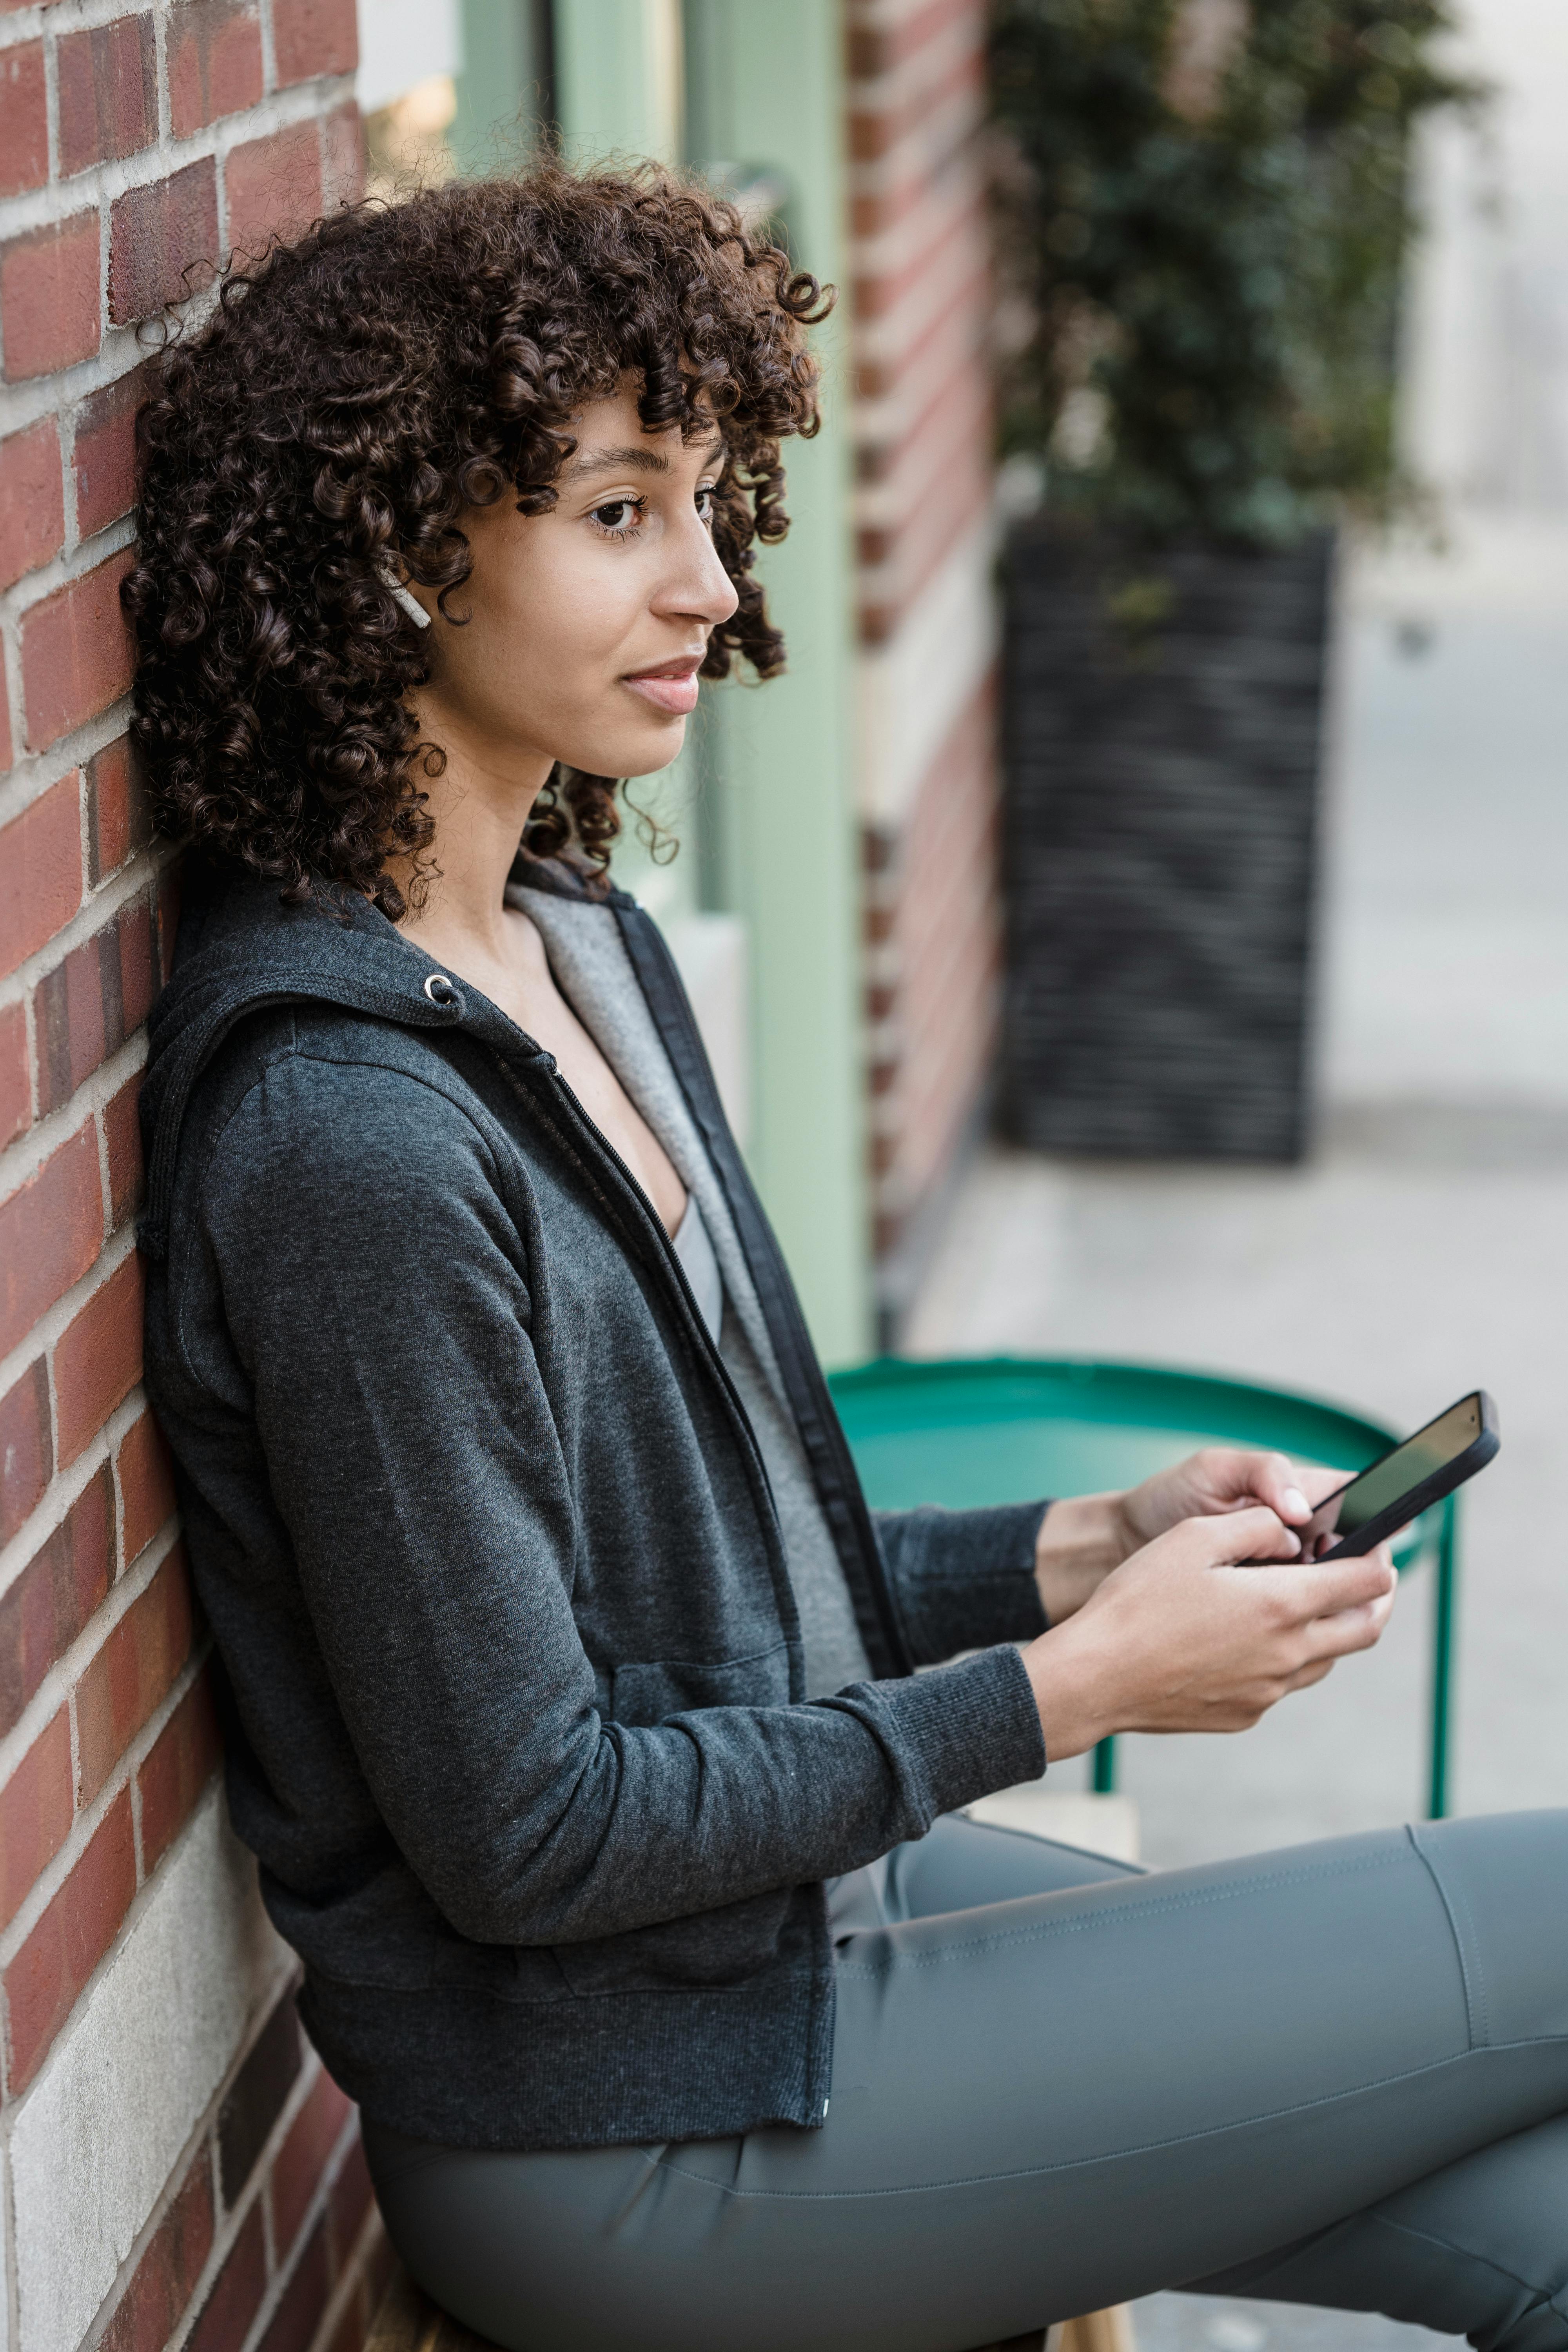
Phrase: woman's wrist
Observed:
(1072, 1681)
(1081, 1538)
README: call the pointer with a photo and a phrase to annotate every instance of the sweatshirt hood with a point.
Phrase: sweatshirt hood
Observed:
(240, 952)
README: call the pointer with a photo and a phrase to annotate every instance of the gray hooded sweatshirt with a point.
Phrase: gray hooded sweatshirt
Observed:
(515, 1701)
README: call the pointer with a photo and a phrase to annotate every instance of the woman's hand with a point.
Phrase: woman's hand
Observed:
(1183, 1636)
(1223, 1478)
(1084, 1536)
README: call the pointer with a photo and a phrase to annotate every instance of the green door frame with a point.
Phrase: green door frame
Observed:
(763, 89)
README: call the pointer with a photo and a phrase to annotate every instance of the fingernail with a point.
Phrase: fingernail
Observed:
(1296, 1501)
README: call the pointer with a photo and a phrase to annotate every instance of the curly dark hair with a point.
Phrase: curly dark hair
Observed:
(348, 397)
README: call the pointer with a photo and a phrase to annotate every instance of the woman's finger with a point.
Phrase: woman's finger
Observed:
(1232, 1473)
(1317, 1483)
(1348, 1630)
(1253, 1533)
(1275, 1480)
(1328, 1586)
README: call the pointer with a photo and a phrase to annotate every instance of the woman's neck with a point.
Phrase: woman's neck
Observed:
(480, 804)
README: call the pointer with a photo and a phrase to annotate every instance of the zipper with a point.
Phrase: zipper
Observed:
(594, 1136)
(647, 947)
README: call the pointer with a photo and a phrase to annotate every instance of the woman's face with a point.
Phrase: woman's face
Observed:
(588, 624)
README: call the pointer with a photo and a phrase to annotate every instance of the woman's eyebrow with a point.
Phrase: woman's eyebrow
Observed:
(643, 460)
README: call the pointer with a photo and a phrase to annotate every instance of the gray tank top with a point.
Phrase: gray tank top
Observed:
(593, 971)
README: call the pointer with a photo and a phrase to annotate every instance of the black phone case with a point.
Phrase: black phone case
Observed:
(1411, 1504)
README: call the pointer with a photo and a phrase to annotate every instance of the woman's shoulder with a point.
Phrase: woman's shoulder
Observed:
(320, 1099)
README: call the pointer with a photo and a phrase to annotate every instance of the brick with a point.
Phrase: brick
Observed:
(293, 2324)
(164, 2279)
(77, 1016)
(44, 1609)
(380, 2264)
(47, 1976)
(167, 923)
(123, 1134)
(146, 1476)
(32, 496)
(26, 1452)
(351, 2199)
(76, 653)
(349, 2335)
(256, 2099)
(302, 2160)
(40, 871)
(119, 815)
(49, 297)
(51, 1230)
(125, 2097)
(236, 2291)
(342, 157)
(23, 118)
(182, 1761)
(36, 1815)
(103, 456)
(108, 92)
(274, 188)
(131, 1676)
(163, 242)
(214, 61)
(84, 1009)
(15, 1076)
(98, 1360)
(137, 960)
(313, 36)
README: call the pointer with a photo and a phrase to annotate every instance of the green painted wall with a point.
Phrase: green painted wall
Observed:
(765, 98)
(503, 89)
(765, 799)
(619, 83)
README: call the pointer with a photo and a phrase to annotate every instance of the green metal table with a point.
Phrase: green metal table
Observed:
(966, 1432)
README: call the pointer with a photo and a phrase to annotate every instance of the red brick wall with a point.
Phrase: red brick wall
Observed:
(133, 150)
(921, 311)
(933, 926)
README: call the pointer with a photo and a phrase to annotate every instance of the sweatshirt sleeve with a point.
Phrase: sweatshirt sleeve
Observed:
(375, 1285)
(963, 1578)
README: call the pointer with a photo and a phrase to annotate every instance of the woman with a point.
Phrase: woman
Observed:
(569, 1685)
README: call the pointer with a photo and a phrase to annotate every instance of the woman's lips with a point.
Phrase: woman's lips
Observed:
(671, 687)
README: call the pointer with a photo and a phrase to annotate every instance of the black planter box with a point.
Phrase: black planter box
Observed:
(1163, 728)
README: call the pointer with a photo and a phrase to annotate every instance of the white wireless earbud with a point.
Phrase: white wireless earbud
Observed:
(406, 598)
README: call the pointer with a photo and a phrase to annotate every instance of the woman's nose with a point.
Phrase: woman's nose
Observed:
(697, 583)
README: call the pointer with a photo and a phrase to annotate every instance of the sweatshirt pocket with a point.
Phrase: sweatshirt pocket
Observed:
(651, 1690)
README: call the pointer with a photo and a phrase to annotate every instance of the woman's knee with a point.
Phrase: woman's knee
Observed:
(1504, 1881)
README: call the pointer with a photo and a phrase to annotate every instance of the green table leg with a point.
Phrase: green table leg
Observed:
(1444, 1605)
(1105, 1768)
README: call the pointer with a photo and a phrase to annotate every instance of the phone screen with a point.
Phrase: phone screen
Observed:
(1431, 1449)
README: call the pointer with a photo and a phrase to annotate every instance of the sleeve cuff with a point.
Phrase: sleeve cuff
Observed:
(969, 1727)
(967, 1578)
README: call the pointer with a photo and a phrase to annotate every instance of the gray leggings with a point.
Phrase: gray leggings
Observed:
(1336, 2074)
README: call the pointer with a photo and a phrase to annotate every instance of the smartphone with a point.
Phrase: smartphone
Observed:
(1396, 1489)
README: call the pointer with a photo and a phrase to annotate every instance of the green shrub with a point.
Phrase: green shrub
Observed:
(1204, 210)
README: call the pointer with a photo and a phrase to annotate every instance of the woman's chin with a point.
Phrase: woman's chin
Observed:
(642, 753)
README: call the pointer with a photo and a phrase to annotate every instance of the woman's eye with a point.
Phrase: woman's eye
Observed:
(618, 516)
(705, 498)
